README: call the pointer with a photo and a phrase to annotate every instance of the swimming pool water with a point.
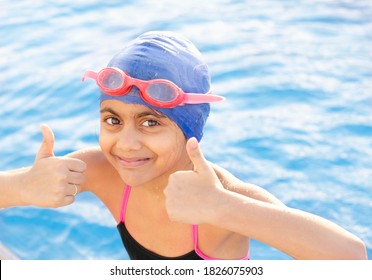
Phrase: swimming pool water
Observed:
(297, 119)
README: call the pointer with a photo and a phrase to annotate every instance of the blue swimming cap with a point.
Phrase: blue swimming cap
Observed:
(167, 55)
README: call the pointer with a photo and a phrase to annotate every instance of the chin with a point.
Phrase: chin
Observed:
(132, 179)
(135, 179)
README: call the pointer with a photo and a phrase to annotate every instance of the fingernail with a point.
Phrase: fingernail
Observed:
(193, 143)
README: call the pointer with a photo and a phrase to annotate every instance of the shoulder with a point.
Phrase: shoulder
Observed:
(93, 157)
(232, 183)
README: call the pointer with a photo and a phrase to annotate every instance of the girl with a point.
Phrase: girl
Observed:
(169, 202)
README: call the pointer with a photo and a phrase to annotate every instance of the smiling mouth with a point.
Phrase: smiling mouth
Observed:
(132, 162)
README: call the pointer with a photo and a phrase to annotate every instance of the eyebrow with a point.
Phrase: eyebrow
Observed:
(150, 112)
(108, 110)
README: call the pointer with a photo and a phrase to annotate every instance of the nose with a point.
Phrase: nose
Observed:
(129, 139)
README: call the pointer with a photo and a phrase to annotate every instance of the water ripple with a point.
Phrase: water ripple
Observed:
(297, 118)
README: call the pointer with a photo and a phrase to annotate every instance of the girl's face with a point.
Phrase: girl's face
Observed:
(144, 146)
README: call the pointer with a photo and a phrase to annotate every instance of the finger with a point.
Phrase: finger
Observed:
(67, 200)
(73, 189)
(77, 178)
(196, 156)
(46, 148)
(63, 200)
(75, 164)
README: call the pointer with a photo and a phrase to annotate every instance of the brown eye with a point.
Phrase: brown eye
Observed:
(112, 121)
(150, 123)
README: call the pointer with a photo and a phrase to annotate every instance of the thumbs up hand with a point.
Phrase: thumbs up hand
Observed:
(52, 181)
(191, 196)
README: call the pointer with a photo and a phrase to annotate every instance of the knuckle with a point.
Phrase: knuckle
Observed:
(176, 175)
(83, 179)
(61, 176)
(58, 191)
(56, 201)
(166, 192)
(78, 164)
(83, 165)
(172, 176)
(69, 200)
(81, 176)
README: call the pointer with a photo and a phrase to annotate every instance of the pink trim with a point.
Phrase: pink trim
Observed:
(196, 248)
(200, 253)
(124, 203)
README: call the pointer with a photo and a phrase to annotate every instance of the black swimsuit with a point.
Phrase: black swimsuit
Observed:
(137, 252)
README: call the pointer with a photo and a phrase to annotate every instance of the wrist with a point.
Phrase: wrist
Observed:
(11, 188)
(23, 180)
(217, 212)
(18, 183)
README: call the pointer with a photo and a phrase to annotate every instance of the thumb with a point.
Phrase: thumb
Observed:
(46, 148)
(196, 156)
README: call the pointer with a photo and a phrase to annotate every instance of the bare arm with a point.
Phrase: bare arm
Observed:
(199, 197)
(9, 188)
(297, 233)
(231, 183)
(284, 221)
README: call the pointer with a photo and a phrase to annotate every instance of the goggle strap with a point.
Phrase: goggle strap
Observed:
(89, 74)
(195, 98)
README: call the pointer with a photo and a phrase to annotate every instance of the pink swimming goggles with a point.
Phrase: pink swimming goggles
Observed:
(158, 92)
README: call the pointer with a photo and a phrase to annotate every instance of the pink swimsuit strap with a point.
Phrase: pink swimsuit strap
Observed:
(200, 253)
(194, 227)
(124, 202)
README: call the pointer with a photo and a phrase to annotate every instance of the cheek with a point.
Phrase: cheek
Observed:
(169, 154)
(105, 142)
(172, 151)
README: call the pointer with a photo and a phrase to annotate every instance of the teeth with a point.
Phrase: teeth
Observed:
(132, 162)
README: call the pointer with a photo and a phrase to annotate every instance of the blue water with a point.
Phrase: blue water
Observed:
(297, 120)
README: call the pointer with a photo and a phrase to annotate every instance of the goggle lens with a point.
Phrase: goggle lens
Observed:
(162, 92)
(111, 79)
